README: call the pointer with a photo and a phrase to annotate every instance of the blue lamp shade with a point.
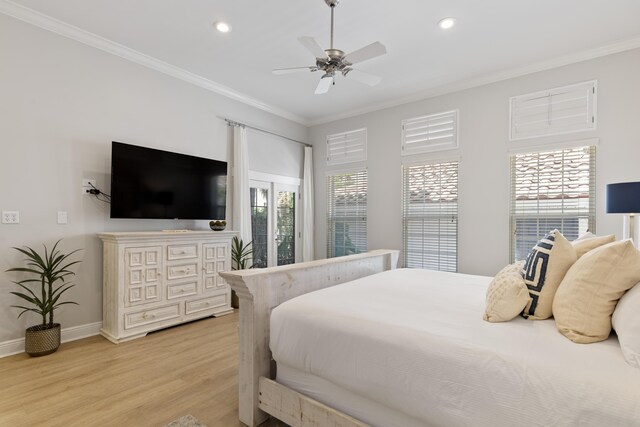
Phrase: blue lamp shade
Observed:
(623, 197)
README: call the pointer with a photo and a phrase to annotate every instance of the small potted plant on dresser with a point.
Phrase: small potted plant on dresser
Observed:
(240, 257)
(50, 270)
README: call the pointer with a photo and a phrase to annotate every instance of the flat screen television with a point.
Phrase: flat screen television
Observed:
(155, 184)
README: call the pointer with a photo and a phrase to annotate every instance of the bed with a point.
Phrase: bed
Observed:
(405, 347)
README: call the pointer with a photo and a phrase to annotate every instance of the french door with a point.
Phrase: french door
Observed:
(274, 223)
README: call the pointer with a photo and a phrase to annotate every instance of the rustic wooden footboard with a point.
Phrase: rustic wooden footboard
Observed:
(261, 290)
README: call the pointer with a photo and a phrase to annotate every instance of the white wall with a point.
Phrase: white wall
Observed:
(484, 153)
(61, 105)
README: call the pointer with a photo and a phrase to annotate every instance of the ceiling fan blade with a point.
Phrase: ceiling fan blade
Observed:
(312, 46)
(324, 85)
(366, 53)
(293, 70)
(362, 77)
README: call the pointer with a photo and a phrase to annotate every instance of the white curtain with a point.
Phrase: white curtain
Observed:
(241, 199)
(307, 206)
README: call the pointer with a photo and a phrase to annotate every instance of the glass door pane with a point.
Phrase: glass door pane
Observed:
(286, 227)
(260, 226)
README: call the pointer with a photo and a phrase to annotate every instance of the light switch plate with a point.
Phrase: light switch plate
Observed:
(62, 217)
(10, 217)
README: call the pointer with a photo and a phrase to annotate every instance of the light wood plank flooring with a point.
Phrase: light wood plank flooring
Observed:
(188, 369)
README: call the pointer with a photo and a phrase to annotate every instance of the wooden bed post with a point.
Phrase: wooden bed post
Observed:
(261, 290)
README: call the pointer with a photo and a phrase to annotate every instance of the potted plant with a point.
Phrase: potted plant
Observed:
(51, 271)
(240, 257)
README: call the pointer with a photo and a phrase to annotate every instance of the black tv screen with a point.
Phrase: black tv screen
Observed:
(156, 184)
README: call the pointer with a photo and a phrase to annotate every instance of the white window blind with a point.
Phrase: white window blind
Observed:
(434, 132)
(551, 190)
(430, 216)
(555, 111)
(347, 213)
(347, 147)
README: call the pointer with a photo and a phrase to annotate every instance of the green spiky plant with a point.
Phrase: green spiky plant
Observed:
(240, 254)
(51, 271)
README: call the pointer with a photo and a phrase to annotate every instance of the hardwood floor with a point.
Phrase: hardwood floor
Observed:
(188, 369)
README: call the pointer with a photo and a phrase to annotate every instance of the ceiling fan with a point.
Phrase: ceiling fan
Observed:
(332, 61)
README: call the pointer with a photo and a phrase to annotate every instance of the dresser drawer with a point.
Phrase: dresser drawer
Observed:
(145, 317)
(195, 306)
(179, 290)
(175, 252)
(182, 271)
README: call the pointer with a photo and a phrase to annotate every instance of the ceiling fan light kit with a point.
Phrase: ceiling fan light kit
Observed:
(332, 61)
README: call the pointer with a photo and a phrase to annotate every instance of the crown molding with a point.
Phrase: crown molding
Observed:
(64, 29)
(488, 79)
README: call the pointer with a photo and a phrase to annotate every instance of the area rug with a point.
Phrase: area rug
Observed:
(186, 421)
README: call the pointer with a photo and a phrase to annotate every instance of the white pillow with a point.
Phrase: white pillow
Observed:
(626, 322)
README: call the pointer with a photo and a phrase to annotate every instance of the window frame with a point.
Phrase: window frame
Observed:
(405, 217)
(590, 215)
(331, 217)
(430, 147)
(346, 159)
(592, 108)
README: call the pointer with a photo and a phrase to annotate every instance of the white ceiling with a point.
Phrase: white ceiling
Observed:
(491, 36)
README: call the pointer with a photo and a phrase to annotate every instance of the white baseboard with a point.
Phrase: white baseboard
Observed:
(73, 333)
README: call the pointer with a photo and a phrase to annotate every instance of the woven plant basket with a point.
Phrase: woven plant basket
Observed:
(41, 340)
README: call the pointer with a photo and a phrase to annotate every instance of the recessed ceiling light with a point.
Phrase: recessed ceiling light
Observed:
(446, 23)
(223, 27)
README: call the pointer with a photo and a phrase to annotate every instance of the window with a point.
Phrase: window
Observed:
(347, 213)
(551, 190)
(347, 147)
(274, 215)
(555, 111)
(259, 225)
(434, 132)
(430, 216)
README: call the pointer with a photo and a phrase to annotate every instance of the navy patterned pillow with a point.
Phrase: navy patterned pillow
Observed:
(544, 269)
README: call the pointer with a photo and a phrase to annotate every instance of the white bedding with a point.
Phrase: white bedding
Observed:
(414, 341)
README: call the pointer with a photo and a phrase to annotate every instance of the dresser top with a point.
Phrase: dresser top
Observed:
(164, 235)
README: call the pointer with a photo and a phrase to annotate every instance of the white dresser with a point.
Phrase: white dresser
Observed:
(153, 280)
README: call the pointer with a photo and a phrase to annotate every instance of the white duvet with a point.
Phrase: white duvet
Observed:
(414, 341)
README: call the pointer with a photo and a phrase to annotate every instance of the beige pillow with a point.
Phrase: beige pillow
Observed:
(506, 295)
(543, 271)
(585, 244)
(591, 289)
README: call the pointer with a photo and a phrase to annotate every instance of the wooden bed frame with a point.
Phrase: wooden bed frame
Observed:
(260, 291)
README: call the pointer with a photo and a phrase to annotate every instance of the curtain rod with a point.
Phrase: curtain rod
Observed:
(235, 123)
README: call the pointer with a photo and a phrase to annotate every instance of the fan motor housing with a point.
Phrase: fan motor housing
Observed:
(334, 54)
(334, 61)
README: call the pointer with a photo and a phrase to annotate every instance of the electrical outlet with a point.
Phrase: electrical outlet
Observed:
(87, 185)
(10, 217)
